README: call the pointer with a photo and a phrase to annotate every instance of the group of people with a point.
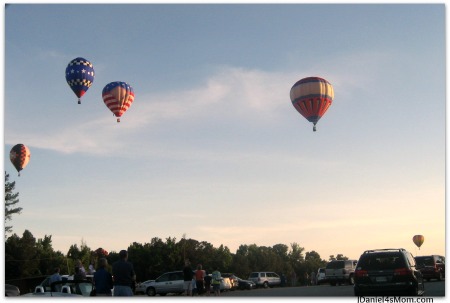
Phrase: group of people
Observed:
(122, 270)
(198, 282)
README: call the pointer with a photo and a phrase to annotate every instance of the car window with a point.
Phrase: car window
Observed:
(263, 275)
(163, 278)
(381, 262)
(335, 265)
(425, 261)
(254, 275)
(411, 260)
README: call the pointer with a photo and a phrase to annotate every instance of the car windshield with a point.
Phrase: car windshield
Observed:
(335, 264)
(254, 275)
(381, 262)
(424, 261)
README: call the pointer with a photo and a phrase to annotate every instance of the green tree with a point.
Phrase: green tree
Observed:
(11, 199)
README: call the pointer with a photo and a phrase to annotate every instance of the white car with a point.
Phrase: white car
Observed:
(321, 278)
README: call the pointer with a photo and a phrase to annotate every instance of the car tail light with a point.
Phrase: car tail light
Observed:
(361, 273)
(402, 272)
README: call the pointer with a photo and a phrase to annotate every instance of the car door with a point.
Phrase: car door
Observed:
(162, 284)
(177, 282)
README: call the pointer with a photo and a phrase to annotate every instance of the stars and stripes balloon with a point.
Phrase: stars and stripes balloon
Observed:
(79, 76)
(311, 97)
(118, 97)
(19, 156)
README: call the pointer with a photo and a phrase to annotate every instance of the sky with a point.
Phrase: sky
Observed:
(212, 148)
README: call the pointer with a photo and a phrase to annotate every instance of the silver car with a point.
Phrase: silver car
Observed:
(170, 282)
(265, 279)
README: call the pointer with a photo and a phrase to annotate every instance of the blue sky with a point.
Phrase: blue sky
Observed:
(212, 147)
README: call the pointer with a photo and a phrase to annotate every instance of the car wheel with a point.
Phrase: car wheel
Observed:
(266, 285)
(151, 292)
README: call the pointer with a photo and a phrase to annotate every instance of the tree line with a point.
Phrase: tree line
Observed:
(27, 257)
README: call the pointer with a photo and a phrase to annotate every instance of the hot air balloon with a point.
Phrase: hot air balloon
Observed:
(311, 97)
(118, 97)
(19, 156)
(79, 76)
(418, 240)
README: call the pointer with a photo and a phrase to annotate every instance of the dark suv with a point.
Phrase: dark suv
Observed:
(431, 267)
(388, 272)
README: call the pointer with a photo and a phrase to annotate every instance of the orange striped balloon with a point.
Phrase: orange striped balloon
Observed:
(118, 97)
(311, 97)
(19, 156)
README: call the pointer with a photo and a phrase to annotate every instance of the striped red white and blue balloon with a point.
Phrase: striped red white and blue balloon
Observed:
(19, 156)
(80, 76)
(311, 97)
(118, 97)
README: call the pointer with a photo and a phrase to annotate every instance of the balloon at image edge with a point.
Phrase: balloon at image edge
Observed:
(418, 240)
(118, 97)
(19, 156)
(311, 97)
(79, 76)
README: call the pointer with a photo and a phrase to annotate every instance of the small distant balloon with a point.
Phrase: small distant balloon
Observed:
(79, 76)
(418, 240)
(118, 97)
(19, 156)
(311, 97)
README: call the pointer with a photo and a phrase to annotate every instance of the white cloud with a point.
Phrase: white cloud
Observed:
(233, 92)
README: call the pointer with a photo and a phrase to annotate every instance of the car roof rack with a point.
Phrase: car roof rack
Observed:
(384, 249)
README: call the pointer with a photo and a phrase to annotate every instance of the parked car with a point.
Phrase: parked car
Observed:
(11, 290)
(141, 287)
(46, 282)
(431, 267)
(234, 283)
(265, 279)
(170, 282)
(321, 278)
(66, 288)
(245, 284)
(388, 272)
(340, 271)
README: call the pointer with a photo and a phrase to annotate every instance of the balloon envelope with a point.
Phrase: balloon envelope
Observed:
(118, 97)
(311, 97)
(418, 240)
(19, 156)
(79, 76)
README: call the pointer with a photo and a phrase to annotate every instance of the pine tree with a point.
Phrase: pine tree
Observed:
(11, 199)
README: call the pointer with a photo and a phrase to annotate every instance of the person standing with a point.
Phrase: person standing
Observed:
(80, 272)
(199, 279)
(124, 275)
(103, 280)
(313, 278)
(55, 277)
(216, 278)
(188, 274)
(208, 280)
(91, 267)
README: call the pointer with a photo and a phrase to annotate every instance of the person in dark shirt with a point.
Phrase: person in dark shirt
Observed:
(124, 275)
(103, 279)
(188, 275)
